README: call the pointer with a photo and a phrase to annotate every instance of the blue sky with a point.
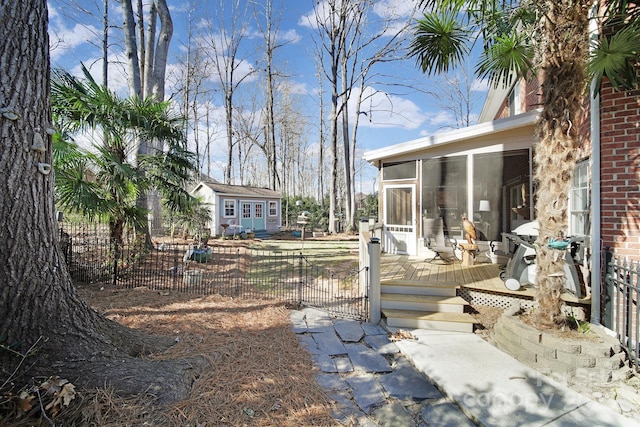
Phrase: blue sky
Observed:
(394, 113)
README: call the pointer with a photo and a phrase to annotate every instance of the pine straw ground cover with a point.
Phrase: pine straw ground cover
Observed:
(258, 375)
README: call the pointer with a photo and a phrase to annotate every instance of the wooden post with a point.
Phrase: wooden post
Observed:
(374, 281)
(468, 253)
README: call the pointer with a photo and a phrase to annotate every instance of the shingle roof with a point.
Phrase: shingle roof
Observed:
(241, 190)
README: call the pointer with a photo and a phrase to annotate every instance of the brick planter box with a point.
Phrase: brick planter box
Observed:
(597, 356)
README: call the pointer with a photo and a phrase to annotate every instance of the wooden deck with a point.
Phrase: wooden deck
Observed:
(481, 277)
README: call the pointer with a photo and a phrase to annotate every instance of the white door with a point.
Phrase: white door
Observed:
(400, 219)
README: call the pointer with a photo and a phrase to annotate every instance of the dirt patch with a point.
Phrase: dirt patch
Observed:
(258, 375)
(572, 329)
(486, 318)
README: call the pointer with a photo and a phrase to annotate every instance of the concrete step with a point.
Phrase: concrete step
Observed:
(416, 287)
(445, 304)
(457, 322)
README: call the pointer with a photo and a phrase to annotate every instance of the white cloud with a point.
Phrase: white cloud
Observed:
(394, 9)
(382, 110)
(297, 88)
(310, 19)
(64, 40)
(480, 85)
(441, 119)
(290, 36)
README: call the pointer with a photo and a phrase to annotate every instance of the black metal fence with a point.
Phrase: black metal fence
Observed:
(228, 270)
(621, 311)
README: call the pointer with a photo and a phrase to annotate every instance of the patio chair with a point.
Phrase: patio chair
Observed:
(435, 240)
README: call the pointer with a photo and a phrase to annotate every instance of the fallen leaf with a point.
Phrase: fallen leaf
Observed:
(24, 401)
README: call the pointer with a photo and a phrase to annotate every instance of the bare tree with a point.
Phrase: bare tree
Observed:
(269, 29)
(225, 41)
(321, 137)
(348, 49)
(454, 94)
(365, 50)
(100, 12)
(190, 83)
(331, 26)
(147, 54)
(147, 51)
(293, 157)
(251, 134)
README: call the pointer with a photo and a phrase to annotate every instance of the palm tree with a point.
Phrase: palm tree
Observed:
(549, 40)
(104, 181)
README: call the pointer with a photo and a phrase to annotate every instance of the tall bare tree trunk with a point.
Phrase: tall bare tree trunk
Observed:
(131, 47)
(333, 147)
(147, 65)
(224, 41)
(105, 44)
(269, 34)
(566, 27)
(321, 146)
(346, 148)
(58, 333)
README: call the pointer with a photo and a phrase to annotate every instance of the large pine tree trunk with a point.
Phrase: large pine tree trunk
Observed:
(564, 54)
(39, 308)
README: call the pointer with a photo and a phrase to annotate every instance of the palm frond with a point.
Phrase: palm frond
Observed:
(616, 56)
(440, 42)
(117, 126)
(511, 55)
(620, 12)
(76, 193)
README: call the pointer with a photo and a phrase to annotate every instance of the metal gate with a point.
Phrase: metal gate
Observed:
(230, 270)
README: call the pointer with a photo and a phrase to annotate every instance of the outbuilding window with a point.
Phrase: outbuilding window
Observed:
(273, 208)
(229, 208)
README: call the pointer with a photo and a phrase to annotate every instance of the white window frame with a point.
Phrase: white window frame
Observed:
(273, 208)
(246, 210)
(580, 228)
(232, 205)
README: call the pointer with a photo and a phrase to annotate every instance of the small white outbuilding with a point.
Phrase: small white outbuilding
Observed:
(237, 208)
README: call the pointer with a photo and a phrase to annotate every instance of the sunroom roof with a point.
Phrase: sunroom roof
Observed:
(454, 136)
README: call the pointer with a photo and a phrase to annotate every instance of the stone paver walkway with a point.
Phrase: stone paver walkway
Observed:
(370, 381)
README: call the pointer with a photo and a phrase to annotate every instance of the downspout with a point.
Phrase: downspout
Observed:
(596, 245)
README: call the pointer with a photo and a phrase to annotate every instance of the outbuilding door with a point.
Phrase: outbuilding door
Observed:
(399, 219)
(252, 215)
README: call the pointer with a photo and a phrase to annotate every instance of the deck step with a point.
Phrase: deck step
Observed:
(417, 287)
(446, 304)
(457, 322)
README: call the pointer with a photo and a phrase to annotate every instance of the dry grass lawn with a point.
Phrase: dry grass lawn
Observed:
(257, 373)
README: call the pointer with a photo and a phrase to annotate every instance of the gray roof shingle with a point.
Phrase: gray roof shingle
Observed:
(241, 190)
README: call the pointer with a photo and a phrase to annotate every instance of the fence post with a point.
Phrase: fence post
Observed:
(239, 271)
(116, 254)
(374, 280)
(177, 272)
(300, 281)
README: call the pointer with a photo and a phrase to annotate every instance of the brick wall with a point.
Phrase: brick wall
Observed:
(529, 99)
(620, 170)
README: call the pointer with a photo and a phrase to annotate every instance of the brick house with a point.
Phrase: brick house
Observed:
(484, 172)
(619, 184)
(615, 192)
